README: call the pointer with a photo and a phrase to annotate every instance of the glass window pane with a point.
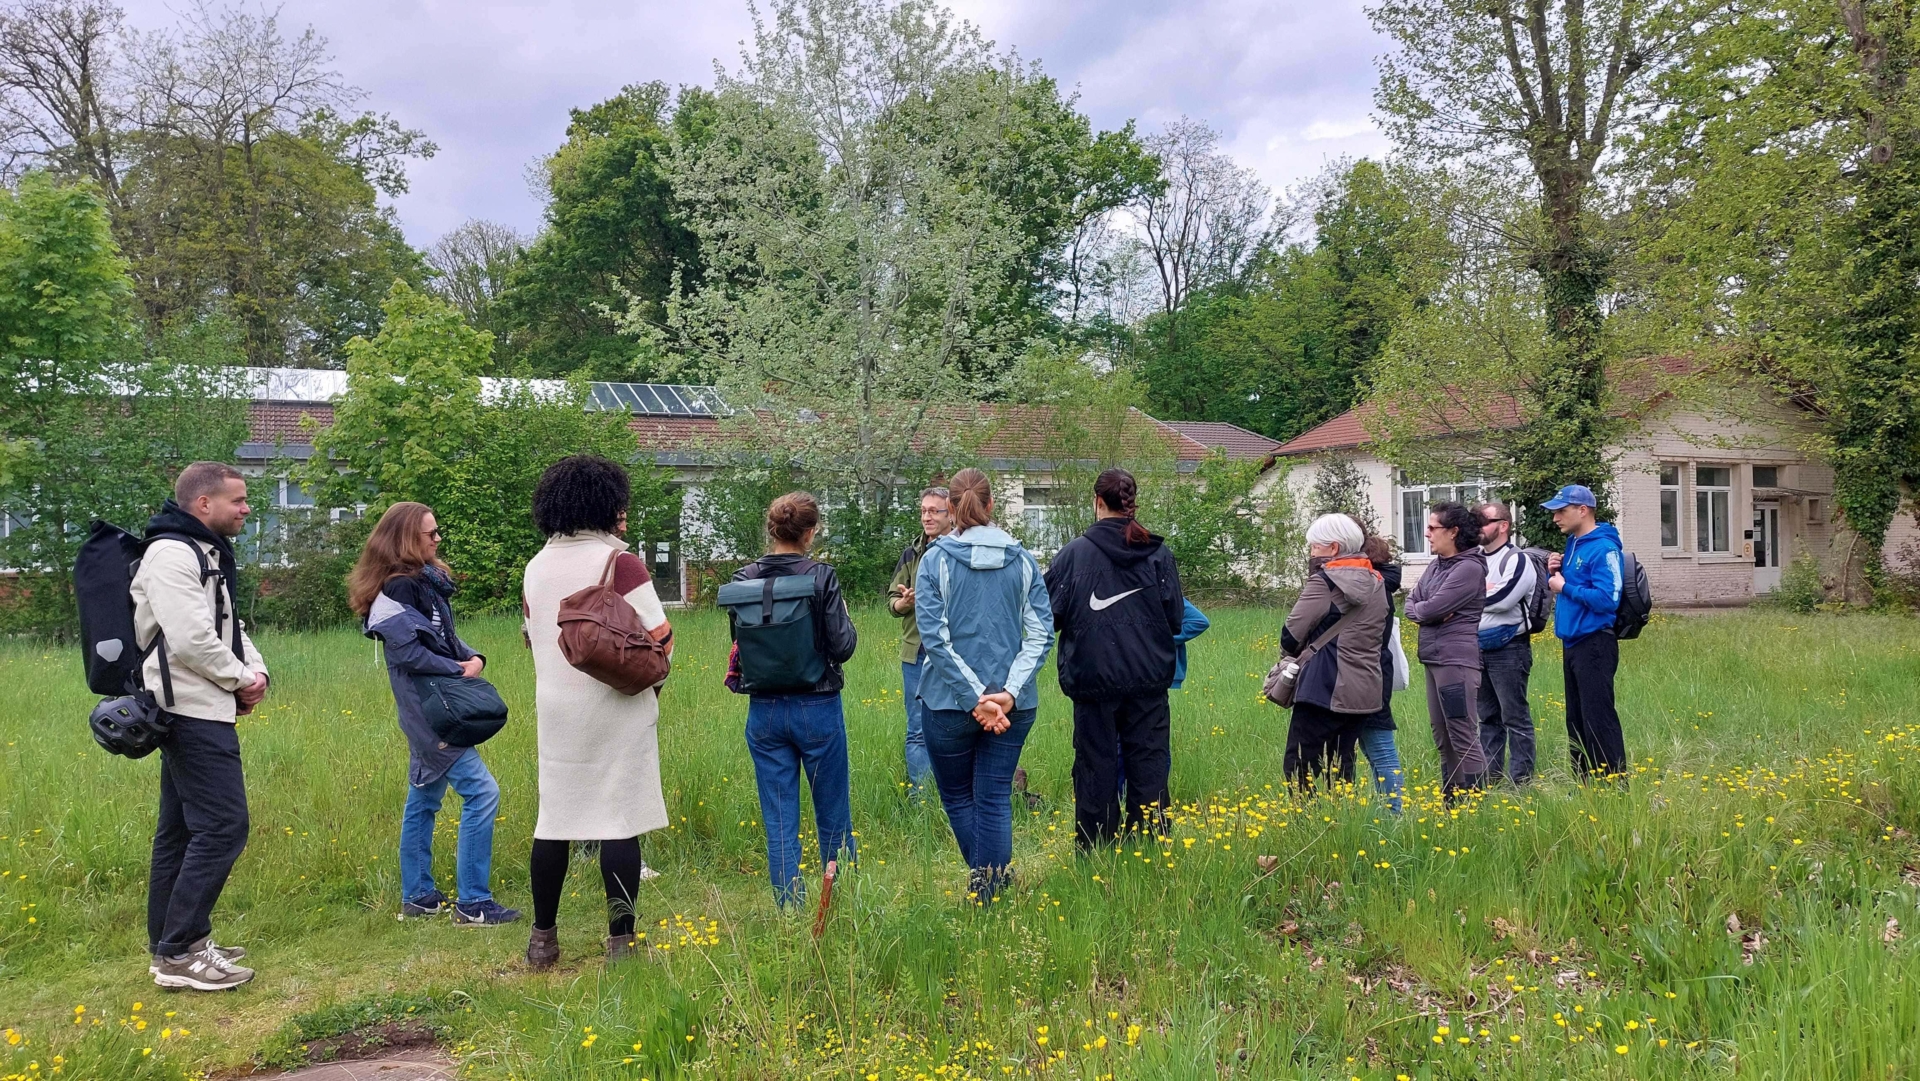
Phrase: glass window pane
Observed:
(295, 496)
(1413, 521)
(1703, 523)
(1670, 475)
(1670, 519)
(1766, 476)
(1712, 476)
(1722, 522)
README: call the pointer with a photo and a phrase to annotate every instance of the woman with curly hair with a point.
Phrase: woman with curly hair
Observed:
(599, 748)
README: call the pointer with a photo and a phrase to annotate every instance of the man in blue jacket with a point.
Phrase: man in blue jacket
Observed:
(1587, 578)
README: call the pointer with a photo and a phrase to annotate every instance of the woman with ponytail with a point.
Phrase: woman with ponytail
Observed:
(1115, 593)
(982, 610)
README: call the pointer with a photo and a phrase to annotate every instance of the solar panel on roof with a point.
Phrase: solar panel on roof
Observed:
(657, 399)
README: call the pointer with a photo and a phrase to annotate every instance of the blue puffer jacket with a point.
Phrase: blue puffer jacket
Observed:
(984, 618)
(1590, 597)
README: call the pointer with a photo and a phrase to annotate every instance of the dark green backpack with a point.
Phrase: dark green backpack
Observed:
(773, 625)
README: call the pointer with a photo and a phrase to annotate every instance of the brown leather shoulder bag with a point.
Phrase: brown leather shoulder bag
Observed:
(601, 635)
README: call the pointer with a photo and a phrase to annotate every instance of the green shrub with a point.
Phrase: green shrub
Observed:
(1800, 589)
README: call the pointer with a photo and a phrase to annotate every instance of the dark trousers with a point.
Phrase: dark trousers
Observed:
(202, 830)
(1454, 717)
(1135, 732)
(1320, 746)
(1506, 724)
(1593, 725)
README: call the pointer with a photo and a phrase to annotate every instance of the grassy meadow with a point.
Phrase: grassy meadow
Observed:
(1745, 908)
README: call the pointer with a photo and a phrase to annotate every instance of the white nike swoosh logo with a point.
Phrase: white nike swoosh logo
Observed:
(1100, 604)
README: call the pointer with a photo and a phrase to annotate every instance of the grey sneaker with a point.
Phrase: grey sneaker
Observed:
(202, 968)
(483, 913)
(430, 904)
(231, 953)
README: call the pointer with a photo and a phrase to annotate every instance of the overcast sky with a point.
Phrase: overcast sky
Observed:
(1288, 84)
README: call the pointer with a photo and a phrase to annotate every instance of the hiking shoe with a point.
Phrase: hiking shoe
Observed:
(543, 948)
(201, 968)
(231, 953)
(428, 904)
(483, 913)
(647, 874)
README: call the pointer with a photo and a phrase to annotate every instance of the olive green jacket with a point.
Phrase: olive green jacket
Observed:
(903, 575)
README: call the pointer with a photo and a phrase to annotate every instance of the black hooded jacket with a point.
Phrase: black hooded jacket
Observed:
(1117, 607)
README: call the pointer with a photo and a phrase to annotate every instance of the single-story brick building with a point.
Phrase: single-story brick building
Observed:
(682, 427)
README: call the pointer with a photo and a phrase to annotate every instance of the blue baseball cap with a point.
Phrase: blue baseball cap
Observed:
(1573, 495)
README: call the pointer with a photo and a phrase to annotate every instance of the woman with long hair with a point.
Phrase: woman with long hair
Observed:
(599, 747)
(1446, 603)
(986, 625)
(1341, 615)
(400, 588)
(799, 726)
(1115, 596)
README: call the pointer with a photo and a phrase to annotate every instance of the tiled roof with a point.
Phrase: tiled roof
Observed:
(1010, 431)
(1456, 416)
(1241, 445)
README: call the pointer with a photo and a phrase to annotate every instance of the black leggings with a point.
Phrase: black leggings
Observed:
(619, 870)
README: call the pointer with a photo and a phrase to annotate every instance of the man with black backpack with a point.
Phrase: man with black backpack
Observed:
(1588, 579)
(1506, 647)
(207, 672)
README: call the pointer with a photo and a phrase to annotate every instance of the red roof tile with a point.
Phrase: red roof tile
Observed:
(1240, 444)
(1498, 412)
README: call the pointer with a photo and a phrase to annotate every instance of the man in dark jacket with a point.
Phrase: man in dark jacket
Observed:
(1116, 601)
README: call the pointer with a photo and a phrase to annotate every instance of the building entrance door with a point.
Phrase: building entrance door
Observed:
(1766, 547)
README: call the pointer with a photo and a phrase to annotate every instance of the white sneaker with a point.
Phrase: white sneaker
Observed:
(647, 874)
(203, 968)
(231, 953)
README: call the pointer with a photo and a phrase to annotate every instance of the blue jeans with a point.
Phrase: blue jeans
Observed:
(785, 734)
(975, 773)
(918, 766)
(480, 801)
(1383, 761)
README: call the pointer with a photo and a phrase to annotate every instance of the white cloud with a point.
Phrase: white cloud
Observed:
(1288, 85)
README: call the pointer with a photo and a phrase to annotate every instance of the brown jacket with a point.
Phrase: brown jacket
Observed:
(1344, 676)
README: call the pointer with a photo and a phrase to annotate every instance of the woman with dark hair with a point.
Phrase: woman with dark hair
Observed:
(1446, 603)
(599, 748)
(400, 589)
(1115, 595)
(985, 624)
(795, 723)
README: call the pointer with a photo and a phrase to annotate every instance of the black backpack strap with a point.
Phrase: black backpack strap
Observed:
(766, 600)
(207, 571)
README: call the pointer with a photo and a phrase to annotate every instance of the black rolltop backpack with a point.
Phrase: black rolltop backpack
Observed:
(129, 721)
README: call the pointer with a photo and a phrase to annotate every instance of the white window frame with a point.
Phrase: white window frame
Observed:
(1412, 532)
(1709, 501)
(1674, 490)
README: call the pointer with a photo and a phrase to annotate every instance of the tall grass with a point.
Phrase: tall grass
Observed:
(1746, 906)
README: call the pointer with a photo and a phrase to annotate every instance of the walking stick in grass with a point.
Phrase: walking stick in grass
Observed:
(826, 896)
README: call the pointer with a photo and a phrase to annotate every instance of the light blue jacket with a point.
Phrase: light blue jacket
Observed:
(1590, 594)
(984, 618)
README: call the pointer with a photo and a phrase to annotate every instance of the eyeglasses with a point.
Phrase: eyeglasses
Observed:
(434, 533)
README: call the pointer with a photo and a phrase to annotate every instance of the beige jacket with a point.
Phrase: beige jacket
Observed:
(169, 595)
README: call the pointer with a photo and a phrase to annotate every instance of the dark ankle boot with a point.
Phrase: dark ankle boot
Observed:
(543, 948)
(621, 947)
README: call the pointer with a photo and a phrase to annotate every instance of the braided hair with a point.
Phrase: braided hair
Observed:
(1119, 493)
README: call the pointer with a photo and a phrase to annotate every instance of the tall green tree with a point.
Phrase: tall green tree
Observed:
(614, 240)
(94, 428)
(240, 179)
(1487, 85)
(1781, 205)
(1290, 344)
